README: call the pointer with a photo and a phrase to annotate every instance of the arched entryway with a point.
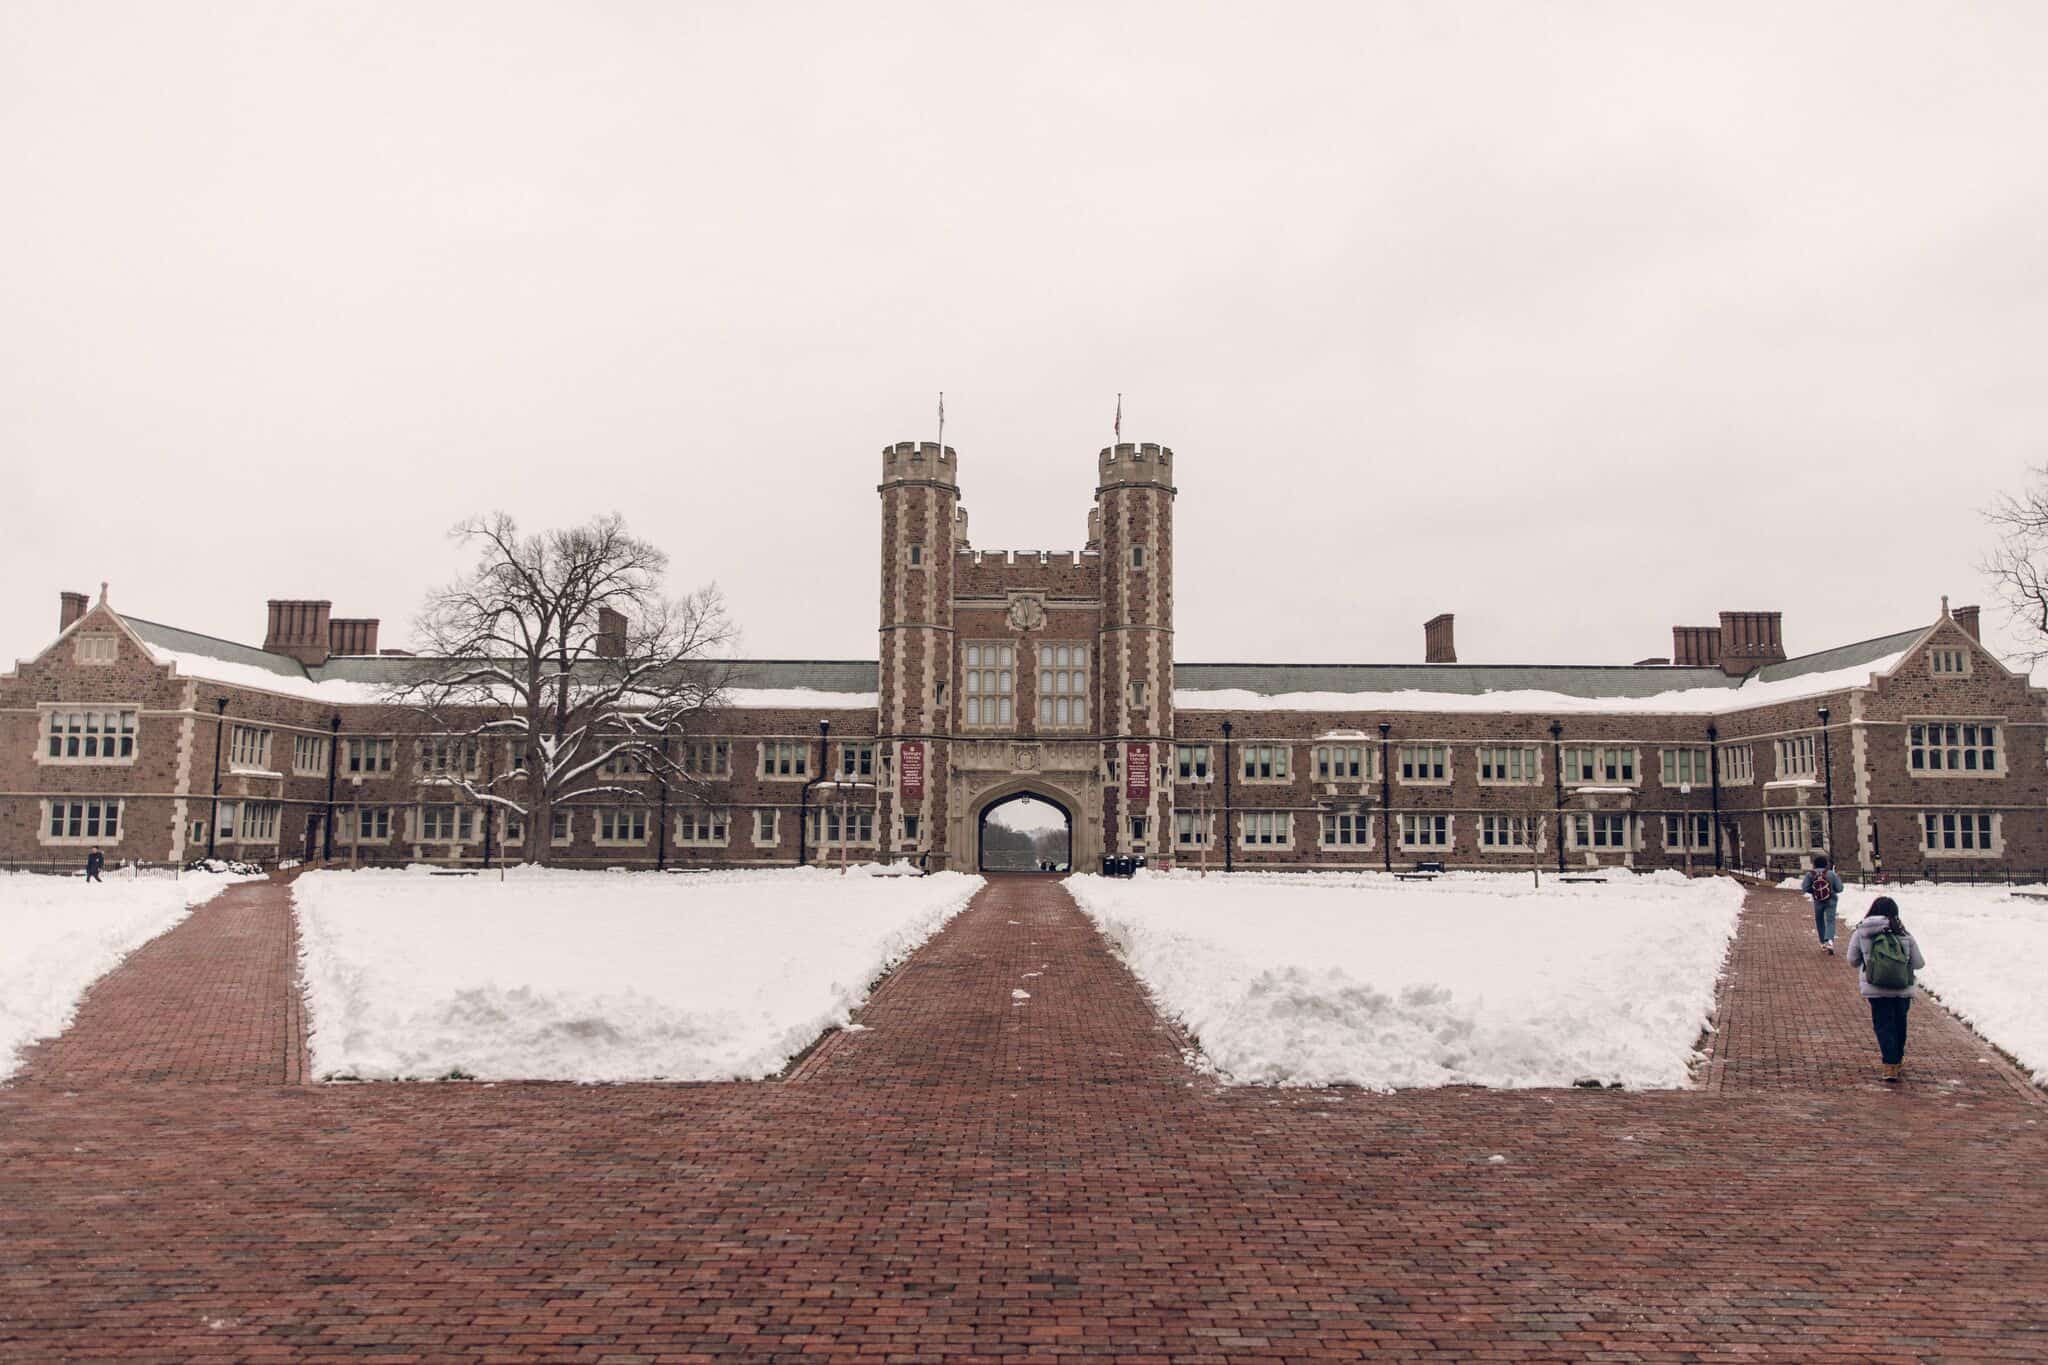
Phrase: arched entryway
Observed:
(1026, 831)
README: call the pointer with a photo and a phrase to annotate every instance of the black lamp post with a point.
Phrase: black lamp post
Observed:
(1827, 763)
(220, 711)
(661, 834)
(1226, 795)
(1557, 778)
(1714, 772)
(803, 797)
(333, 753)
(1386, 802)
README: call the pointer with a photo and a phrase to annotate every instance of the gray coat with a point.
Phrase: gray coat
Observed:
(1859, 947)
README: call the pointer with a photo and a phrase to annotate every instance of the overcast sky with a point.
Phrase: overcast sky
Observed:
(1576, 320)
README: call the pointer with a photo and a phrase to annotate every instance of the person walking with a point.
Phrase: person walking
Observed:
(1826, 889)
(1888, 957)
(94, 861)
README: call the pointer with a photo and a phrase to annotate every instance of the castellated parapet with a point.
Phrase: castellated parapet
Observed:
(919, 461)
(1135, 463)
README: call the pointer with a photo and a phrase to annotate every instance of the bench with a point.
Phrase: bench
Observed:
(2032, 895)
(1415, 876)
(452, 872)
(1567, 877)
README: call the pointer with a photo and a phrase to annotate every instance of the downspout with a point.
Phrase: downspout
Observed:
(1557, 778)
(1386, 802)
(1226, 795)
(1714, 773)
(333, 753)
(220, 711)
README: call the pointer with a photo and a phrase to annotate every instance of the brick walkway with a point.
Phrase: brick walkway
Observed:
(1015, 1191)
(213, 1000)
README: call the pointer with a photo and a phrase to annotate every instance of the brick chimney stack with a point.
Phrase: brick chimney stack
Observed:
(70, 606)
(1437, 645)
(1696, 646)
(1751, 639)
(611, 634)
(299, 629)
(1966, 617)
(356, 635)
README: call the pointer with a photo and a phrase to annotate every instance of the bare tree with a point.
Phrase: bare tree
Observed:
(564, 643)
(2018, 564)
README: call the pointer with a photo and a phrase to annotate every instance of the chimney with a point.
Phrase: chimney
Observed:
(1966, 617)
(298, 629)
(611, 634)
(1437, 647)
(357, 635)
(71, 606)
(1751, 639)
(1696, 646)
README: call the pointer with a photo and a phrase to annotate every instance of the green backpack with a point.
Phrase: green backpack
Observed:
(1888, 962)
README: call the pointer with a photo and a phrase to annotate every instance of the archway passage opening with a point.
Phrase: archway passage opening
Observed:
(1026, 832)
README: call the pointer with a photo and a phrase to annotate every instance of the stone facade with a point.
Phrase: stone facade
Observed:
(1052, 674)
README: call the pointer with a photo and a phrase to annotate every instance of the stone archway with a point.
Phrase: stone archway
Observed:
(993, 852)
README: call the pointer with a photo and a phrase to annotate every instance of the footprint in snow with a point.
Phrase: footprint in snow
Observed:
(1020, 996)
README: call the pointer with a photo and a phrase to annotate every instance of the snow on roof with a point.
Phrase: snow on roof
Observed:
(799, 698)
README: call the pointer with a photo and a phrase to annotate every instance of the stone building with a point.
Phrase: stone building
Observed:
(1051, 674)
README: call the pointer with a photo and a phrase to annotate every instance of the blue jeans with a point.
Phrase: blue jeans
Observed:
(1824, 920)
(1888, 1022)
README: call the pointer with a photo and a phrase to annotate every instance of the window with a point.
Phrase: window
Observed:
(1686, 768)
(1958, 831)
(224, 821)
(1599, 763)
(369, 756)
(1264, 762)
(249, 747)
(1738, 765)
(1790, 831)
(701, 825)
(259, 822)
(1138, 827)
(448, 755)
(857, 760)
(622, 825)
(1342, 763)
(309, 755)
(1952, 747)
(1191, 830)
(1506, 831)
(1425, 762)
(707, 758)
(96, 821)
(910, 826)
(1599, 830)
(1137, 556)
(1420, 829)
(97, 648)
(623, 763)
(1265, 829)
(853, 825)
(1795, 756)
(1688, 832)
(370, 824)
(1946, 663)
(1194, 762)
(765, 830)
(1346, 829)
(89, 736)
(1137, 695)
(1500, 763)
(1062, 684)
(443, 824)
(916, 555)
(561, 827)
(991, 678)
(785, 758)
(513, 828)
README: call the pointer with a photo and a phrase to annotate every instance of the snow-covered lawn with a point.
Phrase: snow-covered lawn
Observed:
(596, 976)
(1474, 978)
(58, 935)
(1987, 957)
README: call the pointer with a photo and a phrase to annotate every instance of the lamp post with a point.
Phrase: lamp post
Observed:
(220, 712)
(1827, 763)
(803, 796)
(1386, 802)
(1557, 778)
(1226, 795)
(1714, 774)
(333, 752)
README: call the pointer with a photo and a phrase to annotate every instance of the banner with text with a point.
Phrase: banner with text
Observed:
(910, 775)
(1138, 772)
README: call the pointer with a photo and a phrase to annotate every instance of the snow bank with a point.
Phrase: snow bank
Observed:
(1987, 955)
(58, 935)
(593, 976)
(1475, 978)
(1691, 701)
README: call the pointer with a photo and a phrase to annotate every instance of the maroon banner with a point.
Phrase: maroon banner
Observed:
(1138, 772)
(910, 772)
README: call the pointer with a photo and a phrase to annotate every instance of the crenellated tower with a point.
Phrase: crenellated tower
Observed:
(923, 525)
(1133, 519)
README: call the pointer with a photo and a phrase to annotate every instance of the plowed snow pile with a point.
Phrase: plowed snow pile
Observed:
(596, 976)
(1472, 979)
(58, 935)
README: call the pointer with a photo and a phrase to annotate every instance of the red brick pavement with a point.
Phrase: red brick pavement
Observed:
(1073, 1206)
(214, 999)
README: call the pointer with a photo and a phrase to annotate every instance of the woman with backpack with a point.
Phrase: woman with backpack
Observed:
(1887, 957)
